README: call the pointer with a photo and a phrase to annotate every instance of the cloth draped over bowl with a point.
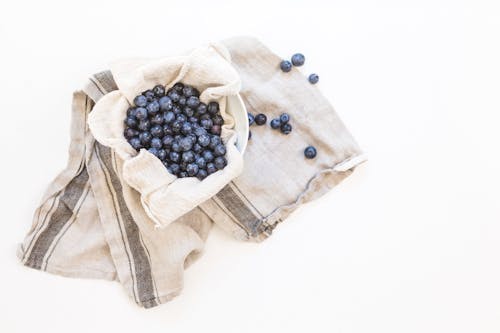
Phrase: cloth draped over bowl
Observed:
(92, 223)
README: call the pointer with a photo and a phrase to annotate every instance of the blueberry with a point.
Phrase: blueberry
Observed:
(220, 150)
(149, 94)
(298, 59)
(192, 169)
(130, 132)
(141, 113)
(193, 120)
(167, 130)
(162, 154)
(200, 131)
(174, 168)
(135, 142)
(174, 96)
(216, 130)
(144, 125)
(205, 116)
(167, 141)
(215, 141)
(156, 131)
(197, 148)
(310, 152)
(187, 157)
(153, 108)
(284, 118)
(213, 108)
(181, 117)
(189, 91)
(218, 120)
(131, 122)
(275, 123)
(251, 119)
(202, 174)
(182, 174)
(208, 156)
(186, 128)
(177, 109)
(193, 102)
(176, 126)
(204, 140)
(157, 119)
(186, 143)
(153, 151)
(286, 128)
(206, 123)
(201, 162)
(131, 112)
(156, 143)
(189, 112)
(165, 103)
(168, 117)
(201, 109)
(286, 66)
(249, 135)
(220, 162)
(260, 119)
(165, 163)
(140, 100)
(182, 101)
(159, 90)
(174, 156)
(178, 87)
(145, 138)
(211, 168)
(313, 78)
(176, 147)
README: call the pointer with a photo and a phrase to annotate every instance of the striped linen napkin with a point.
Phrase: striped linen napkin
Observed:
(91, 224)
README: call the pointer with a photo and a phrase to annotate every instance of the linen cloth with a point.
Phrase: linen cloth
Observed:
(91, 223)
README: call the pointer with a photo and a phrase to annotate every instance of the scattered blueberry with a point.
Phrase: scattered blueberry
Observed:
(251, 119)
(275, 123)
(286, 128)
(313, 78)
(310, 152)
(286, 66)
(284, 118)
(298, 59)
(260, 119)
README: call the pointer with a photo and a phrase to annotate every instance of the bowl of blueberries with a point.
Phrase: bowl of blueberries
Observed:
(182, 131)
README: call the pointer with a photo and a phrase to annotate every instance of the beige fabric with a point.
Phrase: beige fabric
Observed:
(164, 196)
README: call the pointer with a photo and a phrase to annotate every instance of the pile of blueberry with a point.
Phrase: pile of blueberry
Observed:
(298, 59)
(179, 129)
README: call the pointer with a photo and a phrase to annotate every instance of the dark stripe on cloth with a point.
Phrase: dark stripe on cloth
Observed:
(144, 279)
(59, 218)
(106, 80)
(239, 209)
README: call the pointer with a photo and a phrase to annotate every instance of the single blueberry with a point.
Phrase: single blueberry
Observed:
(165, 103)
(178, 86)
(192, 169)
(220, 150)
(286, 128)
(140, 100)
(141, 113)
(186, 128)
(186, 143)
(204, 140)
(131, 112)
(216, 130)
(313, 78)
(220, 162)
(197, 148)
(275, 123)
(145, 138)
(131, 122)
(144, 125)
(159, 90)
(149, 94)
(175, 168)
(174, 156)
(156, 143)
(176, 147)
(202, 174)
(156, 131)
(182, 174)
(298, 59)
(260, 119)
(201, 109)
(168, 117)
(251, 119)
(130, 133)
(284, 118)
(200, 131)
(211, 168)
(174, 96)
(310, 152)
(177, 109)
(157, 119)
(193, 102)
(153, 108)
(153, 151)
(218, 120)
(189, 91)
(201, 162)
(215, 141)
(187, 157)
(208, 156)
(167, 141)
(182, 101)
(285, 65)
(167, 130)
(135, 142)
(162, 154)
(181, 117)
(213, 108)
(189, 112)
(176, 126)
(206, 123)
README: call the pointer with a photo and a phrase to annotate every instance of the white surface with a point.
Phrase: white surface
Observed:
(409, 243)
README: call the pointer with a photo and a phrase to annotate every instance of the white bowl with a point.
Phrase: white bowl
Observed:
(236, 108)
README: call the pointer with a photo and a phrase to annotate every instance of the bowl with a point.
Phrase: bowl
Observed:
(236, 108)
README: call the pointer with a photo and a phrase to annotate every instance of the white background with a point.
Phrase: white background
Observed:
(408, 243)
